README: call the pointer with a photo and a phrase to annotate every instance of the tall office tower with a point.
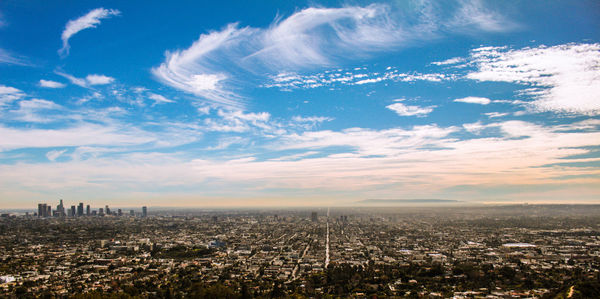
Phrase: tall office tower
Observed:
(59, 209)
(314, 217)
(88, 210)
(107, 210)
(131, 213)
(101, 211)
(144, 211)
(119, 212)
(48, 210)
(72, 211)
(41, 210)
(80, 209)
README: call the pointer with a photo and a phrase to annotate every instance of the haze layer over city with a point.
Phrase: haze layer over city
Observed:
(305, 149)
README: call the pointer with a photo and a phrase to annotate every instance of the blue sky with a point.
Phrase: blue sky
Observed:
(299, 103)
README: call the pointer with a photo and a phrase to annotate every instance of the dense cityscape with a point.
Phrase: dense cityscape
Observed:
(522, 251)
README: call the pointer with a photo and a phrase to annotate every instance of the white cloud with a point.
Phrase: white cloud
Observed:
(311, 38)
(95, 79)
(9, 94)
(204, 110)
(103, 132)
(474, 100)
(366, 142)
(562, 78)
(475, 128)
(35, 111)
(495, 114)
(159, 99)
(449, 61)
(76, 136)
(89, 20)
(53, 155)
(51, 84)
(405, 110)
(89, 80)
(93, 96)
(38, 104)
(239, 121)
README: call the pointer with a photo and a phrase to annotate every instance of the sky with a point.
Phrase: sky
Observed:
(293, 103)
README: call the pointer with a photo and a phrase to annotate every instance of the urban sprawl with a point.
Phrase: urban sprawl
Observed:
(518, 251)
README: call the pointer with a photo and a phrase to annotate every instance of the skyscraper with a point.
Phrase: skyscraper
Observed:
(72, 214)
(107, 210)
(60, 209)
(41, 209)
(88, 210)
(80, 209)
(144, 211)
(314, 217)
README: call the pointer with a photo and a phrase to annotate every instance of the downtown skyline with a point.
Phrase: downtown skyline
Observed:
(299, 103)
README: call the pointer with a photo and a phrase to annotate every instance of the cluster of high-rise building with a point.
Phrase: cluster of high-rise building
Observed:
(45, 210)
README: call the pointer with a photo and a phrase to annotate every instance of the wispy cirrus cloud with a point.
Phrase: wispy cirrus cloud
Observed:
(90, 20)
(309, 39)
(474, 16)
(9, 58)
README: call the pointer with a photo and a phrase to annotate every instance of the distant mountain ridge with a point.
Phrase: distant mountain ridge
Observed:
(405, 201)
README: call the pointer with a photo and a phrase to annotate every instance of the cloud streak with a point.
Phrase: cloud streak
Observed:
(90, 20)
(474, 100)
(8, 58)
